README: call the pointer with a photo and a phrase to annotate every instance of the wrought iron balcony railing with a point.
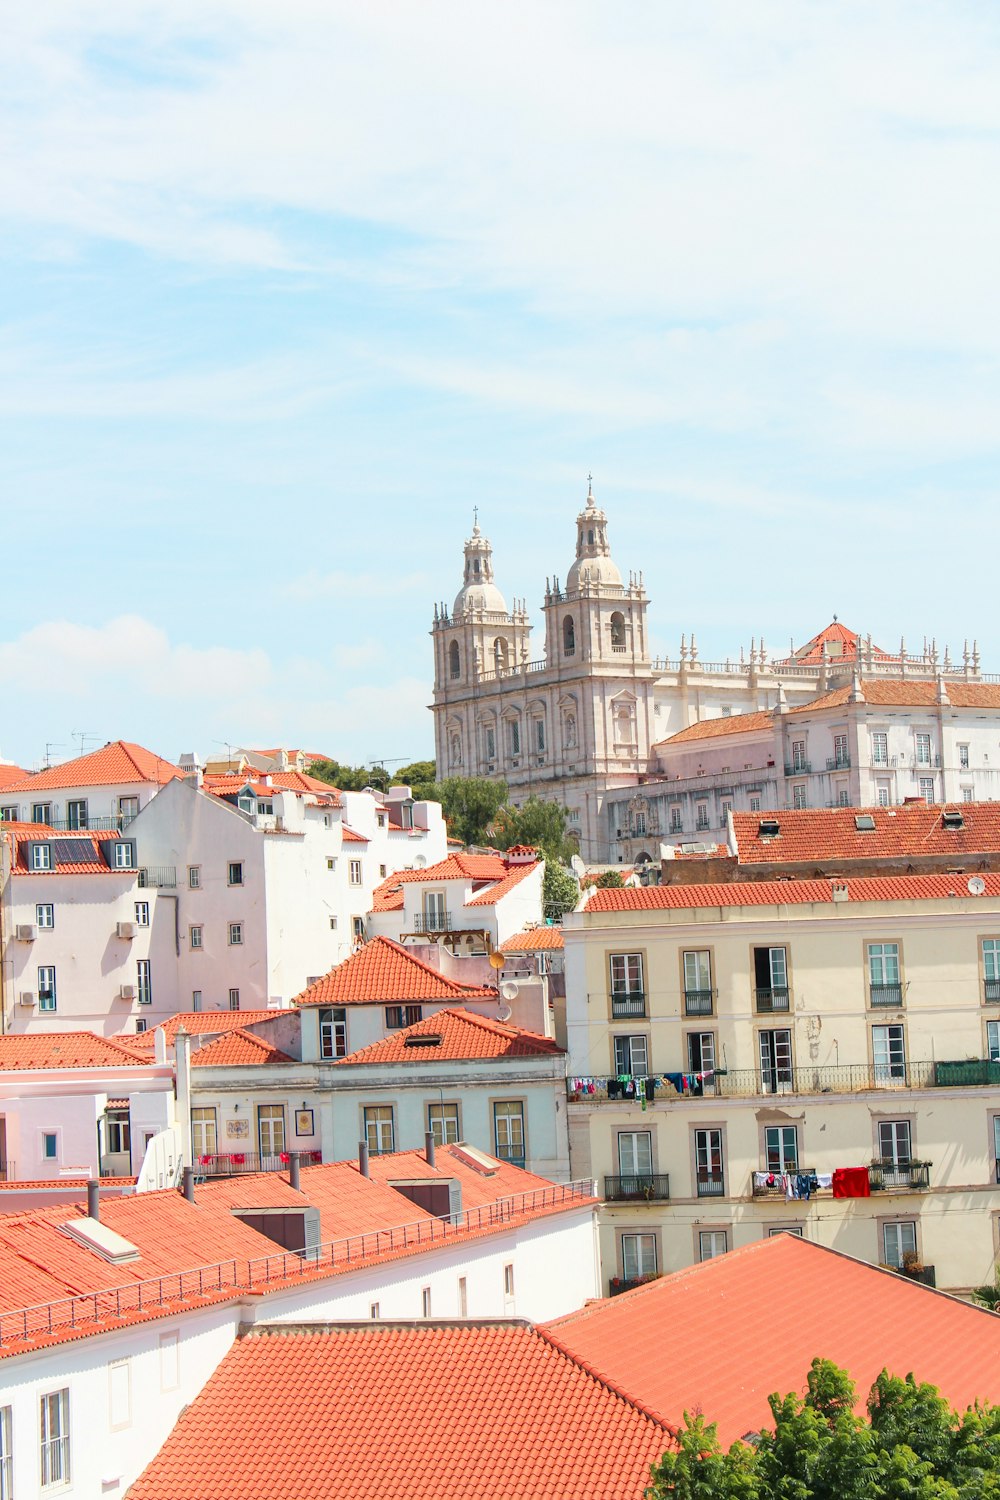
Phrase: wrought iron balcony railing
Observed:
(158, 877)
(644, 1187)
(991, 991)
(434, 921)
(838, 763)
(772, 998)
(698, 1002)
(237, 1163)
(885, 994)
(710, 1184)
(895, 1177)
(628, 1003)
(776, 1189)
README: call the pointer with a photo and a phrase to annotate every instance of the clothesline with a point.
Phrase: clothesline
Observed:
(644, 1087)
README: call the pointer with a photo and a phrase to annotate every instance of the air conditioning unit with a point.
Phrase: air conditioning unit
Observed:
(28, 997)
(127, 992)
(126, 929)
(27, 933)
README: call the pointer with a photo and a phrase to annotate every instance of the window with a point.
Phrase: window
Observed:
(676, 821)
(379, 1130)
(638, 1256)
(894, 1142)
(196, 935)
(882, 793)
(923, 749)
(708, 1163)
(383, 870)
(380, 820)
(770, 979)
(41, 812)
(727, 808)
(697, 982)
(631, 1056)
(119, 1394)
(204, 1135)
(235, 872)
(798, 755)
(124, 857)
(701, 1051)
(196, 1000)
(54, 1434)
(358, 928)
(128, 808)
(333, 1033)
(508, 1280)
(9, 814)
(888, 1053)
(454, 660)
(514, 737)
(425, 1301)
(271, 1129)
(701, 815)
(234, 999)
(45, 914)
(627, 992)
(6, 1456)
(711, 1243)
(795, 1229)
(140, 1025)
(374, 1311)
(799, 794)
(884, 987)
(991, 967)
(442, 1122)
(491, 744)
(840, 756)
(781, 1148)
(755, 804)
(898, 1240)
(331, 863)
(398, 1016)
(963, 757)
(635, 1153)
(508, 1126)
(775, 1060)
(993, 1040)
(142, 913)
(46, 987)
(463, 1297)
(880, 749)
(236, 934)
(50, 1145)
(967, 794)
(41, 856)
(144, 973)
(843, 797)
(76, 814)
(117, 1138)
(194, 877)
(354, 872)
(927, 788)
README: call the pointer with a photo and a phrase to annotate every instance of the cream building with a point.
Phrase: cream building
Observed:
(841, 1025)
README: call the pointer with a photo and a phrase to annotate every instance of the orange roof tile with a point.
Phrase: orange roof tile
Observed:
(906, 692)
(484, 1178)
(842, 644)
(461, 1035)
(77, 852)
(719, 1337)
(534, 940)
(67, 1049)
(11, 774)
(384, 971)
(496, 892)
(298, 781)
(238, 1049)
(788, 892)
(349, 836)
(913, 830)
(427, 1413)
(711, 729)
(206, 1023)
(389, 895)
(118, 762)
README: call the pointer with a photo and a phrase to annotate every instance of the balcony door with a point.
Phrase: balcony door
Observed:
(635, 1153)
(271, 1129)
(775, 1060)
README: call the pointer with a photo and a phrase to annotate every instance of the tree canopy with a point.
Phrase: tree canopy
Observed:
(911, 1446)
(542, 824)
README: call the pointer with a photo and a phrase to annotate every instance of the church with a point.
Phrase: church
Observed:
(646, 752)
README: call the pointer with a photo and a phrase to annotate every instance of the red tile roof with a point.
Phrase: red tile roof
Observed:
(298, 781)
(910, 831)
(117, 763)
(475, 867)
(238, 1049)
(11, 774)
(843, 645)
(534, 940)
(425, 1413)
(503, 887)
(383, 971)
(721, 1336)
(461, 1035)
(906, 692)
(389, 895)
(68, 1049)
(205, 1023)
(77, 855)
(349, 836)
(484, 1179)
(710, 729)
(789, 892)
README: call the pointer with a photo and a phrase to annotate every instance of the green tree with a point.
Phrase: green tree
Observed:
(541, 824)
(699, 1470)
(560, 891)
(610, 880)
(469, 804)
(347, 778)
(419, 777)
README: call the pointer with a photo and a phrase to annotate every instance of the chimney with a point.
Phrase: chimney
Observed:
(187, 1183)
(94, 1200)
(429, 1147)
(293, 1171)
(182, 1087)
(363, 1158)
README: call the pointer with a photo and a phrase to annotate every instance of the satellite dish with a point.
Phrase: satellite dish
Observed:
(509, 990)
(420, 862)
(497, 961)
(977, 885)
(504, 1013)
(577, 865)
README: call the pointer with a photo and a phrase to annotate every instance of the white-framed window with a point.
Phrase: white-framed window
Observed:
(54, 1438)
(626, 979)
(271, 1129)
(898, 1240)
(883, 974)
(991, 960)
(755, 804)
(676, 820)
(333, 924)
(701, 1051)
(843, 796)
(927, 788)
(194, 877)
(196, 1000)
(358, 928)
(635, 1153)
(508, 1130)
(967, 794)
(775, 1047)
(777, 1229)
(923, 749)
(841, 756)
(712, 1243)
(141, 1025)
(41, 856)
(204, 1132)
(781, 1148)
(798, 755)
(331, 862)
(697, 981)
(425, 1301)
(379, 1128)
(234, 999)
(638, 1255)
(508, 1279)
(128, 808)
(354, 872)
(333, 1033)
(701, 816)
(76, 813)
(727, 807)
(894, 1142)
(799, 794)
(631, 1056)
(41, 812)
(124, 856)
(144, 973)
(6, 1455)
(380, 820)
(889, 1053)
(993, 1040)
(50, 1145)
(45, 914)
(46, 987)
(235, 934)
(383, 870)
(235, 872)
(142, 913)
(373, 1311)
(880, 749)
(442, 1122)
(771, 978)
(882, 793)
(9, 814)
(117, 1132)
(708, 1163)
(196, 936)
(963, 757)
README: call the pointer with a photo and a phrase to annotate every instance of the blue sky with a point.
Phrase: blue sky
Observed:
(286, 290)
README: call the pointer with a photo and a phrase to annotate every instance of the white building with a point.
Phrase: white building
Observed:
(469, 904)
(104, 789)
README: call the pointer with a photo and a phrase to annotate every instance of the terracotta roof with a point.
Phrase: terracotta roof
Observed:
(906, 692)
(11, 774)
(843, 644)
(389, 895)
(475, 867)
(349, 836)
(721, 1336)
(910, 831)
(425, 1413)
(460, 1035)
(77, 852)
(118, 763)
(384, 971)
(232, 786)
(298, 781)
(238, 1049)
(711, 729)
(68, 1049)
(503, 887)
(206, 1023)
(534, 940)
(789, 892)
(484, 1179)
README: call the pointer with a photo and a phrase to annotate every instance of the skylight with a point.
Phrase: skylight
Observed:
(768, 828)
(864, 823)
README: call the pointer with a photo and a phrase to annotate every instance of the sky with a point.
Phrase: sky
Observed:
(286, 290)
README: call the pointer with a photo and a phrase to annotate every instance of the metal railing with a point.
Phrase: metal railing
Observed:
(96, 825)
(892, 1176)
(777, 1188)
(885, 994)
(698, 1002)
(836, 1078)
(645, 1187)
(798, 768)
(158, 877)
(772, 998)
(237, 1163)
(432, 922)
(991, 991)
(619, 1284)
(838, 763)
(710, 1184)
(630, 1003)
(88, 1310)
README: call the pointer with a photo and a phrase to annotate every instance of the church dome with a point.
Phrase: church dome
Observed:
(594, 566)
(479, 592)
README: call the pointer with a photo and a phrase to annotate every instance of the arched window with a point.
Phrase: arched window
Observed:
(569, 636)
(590, 537)
(454, 660)
(618, 629)
(475, 565)
(500, 653)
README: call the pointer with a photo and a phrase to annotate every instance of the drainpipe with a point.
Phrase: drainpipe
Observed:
(182, 1060)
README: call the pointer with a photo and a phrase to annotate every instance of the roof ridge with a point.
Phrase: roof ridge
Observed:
(649, 1412)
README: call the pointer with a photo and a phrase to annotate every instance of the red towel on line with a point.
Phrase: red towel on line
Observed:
(851, 1182)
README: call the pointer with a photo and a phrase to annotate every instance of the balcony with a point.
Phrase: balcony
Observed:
(838, 763)
(973, 1072)
(776, 1189)
(772, 998)
(158, 877)
(628, 1003)
(698, 1002)
(991, 991)
(899, 1177)
(8, 1172)
(798, 767)
(96, 825)
(885, 994)
(710, 1184)
(238, 1163)
(646, 1187)
(432, 921)
(619, 1284)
